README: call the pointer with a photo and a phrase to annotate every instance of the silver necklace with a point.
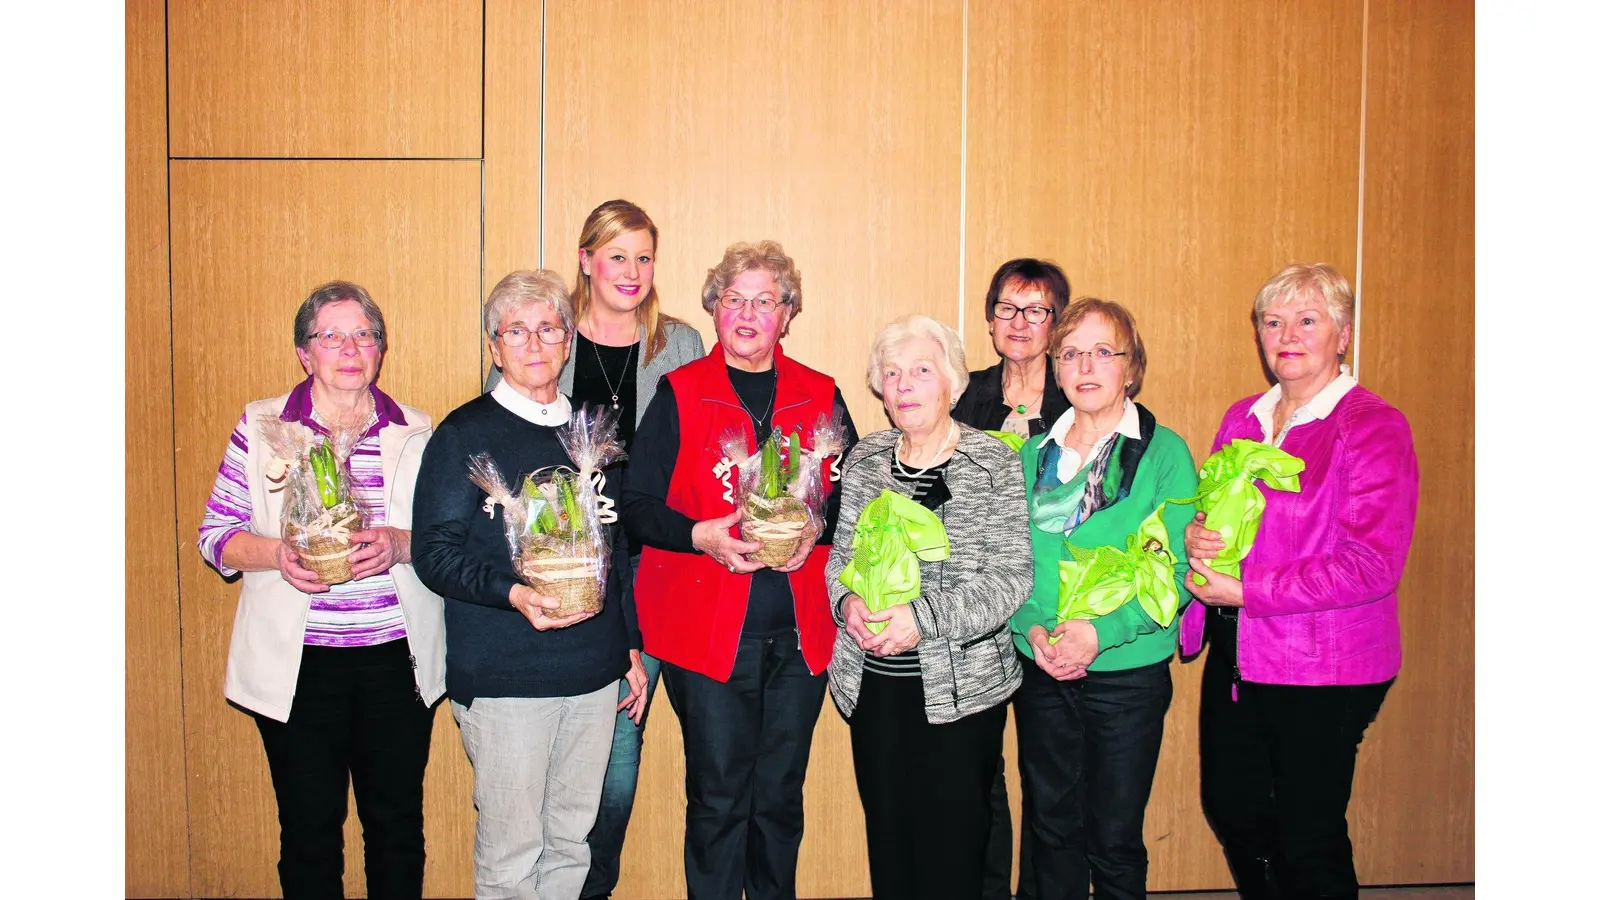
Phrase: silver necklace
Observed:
(953, 433)
(623, 374)
(770, 401)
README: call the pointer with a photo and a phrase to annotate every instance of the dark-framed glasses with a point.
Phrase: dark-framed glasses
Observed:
(762, 304)
(1033, 315)
(332, 339)
(517, 335)
(1095, 355)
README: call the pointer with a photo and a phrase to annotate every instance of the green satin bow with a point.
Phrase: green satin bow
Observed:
(1099, 581)
(1232, 502)
(1014, 441)
(893, 533)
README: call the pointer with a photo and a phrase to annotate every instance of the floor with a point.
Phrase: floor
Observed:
(1438, 892)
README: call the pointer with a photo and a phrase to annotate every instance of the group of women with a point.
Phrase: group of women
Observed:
(341, 681)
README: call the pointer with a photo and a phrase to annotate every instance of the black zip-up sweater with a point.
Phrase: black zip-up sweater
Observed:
(491, 650)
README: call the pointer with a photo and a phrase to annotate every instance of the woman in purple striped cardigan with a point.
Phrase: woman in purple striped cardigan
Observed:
(341, 680)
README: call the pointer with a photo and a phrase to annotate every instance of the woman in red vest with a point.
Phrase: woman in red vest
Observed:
(721, 624)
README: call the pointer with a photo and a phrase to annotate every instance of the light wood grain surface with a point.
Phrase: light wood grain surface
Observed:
(156, 812)
(833, 128)
(1170, 156)
(250, 241)
(1412, 815)
(290, 78)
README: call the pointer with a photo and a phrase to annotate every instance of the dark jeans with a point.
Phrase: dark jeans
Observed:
(746, 744)
(616, 795)
(1088, 751)
(925, 790)
(997, 859)
(356, 719)
(1275, 772)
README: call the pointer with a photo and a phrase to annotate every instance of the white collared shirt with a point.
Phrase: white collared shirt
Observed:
(1070, 461)
(1319, 407)
(551, 414)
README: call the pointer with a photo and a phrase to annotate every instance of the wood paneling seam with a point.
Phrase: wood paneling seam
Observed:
(1361, 195)
(961, 256)
(544, 81)
(172, 399)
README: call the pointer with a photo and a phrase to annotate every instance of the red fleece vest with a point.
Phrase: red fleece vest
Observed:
(691, 608)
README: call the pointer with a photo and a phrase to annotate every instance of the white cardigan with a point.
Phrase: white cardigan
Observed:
(269, 628)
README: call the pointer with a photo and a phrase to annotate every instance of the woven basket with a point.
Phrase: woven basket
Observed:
(779, 531)
(325, 554)
(575, 581)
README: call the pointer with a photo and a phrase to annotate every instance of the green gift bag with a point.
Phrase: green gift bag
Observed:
(1014, 441)
(1231, 501)
(1099, 581)
(892, 535)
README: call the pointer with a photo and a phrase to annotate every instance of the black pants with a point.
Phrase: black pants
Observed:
(1275, 772)
(1088, 751)
(746, 744)
(997, 860)
(356, 719)
(925, 790)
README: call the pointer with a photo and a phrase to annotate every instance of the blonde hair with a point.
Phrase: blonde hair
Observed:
(1122, 323)
(1298, 281)
(605, 223)
(521, 288)
(908, 328)
(745, 257)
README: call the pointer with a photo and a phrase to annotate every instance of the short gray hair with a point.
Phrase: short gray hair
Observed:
(521, 288)
(1318, 279)
(897, 333)
(741, 258)
(305, 318)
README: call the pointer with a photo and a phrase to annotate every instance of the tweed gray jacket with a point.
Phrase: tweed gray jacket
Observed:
(683, 346)
(968, 661)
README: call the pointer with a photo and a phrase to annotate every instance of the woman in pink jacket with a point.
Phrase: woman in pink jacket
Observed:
(1305, 645)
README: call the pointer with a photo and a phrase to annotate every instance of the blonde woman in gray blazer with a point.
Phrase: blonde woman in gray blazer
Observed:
(925, 697)
(623, 346)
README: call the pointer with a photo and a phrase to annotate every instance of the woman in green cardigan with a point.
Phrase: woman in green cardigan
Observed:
(1095, 691)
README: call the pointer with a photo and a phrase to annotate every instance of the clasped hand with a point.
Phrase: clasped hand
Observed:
(1077, 645)
(898, 636)
(1204, 544)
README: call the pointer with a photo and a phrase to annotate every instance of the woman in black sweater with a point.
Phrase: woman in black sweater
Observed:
(1018, 395)
(535, 696)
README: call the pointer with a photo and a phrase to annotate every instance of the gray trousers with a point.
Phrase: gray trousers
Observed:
(537, 767)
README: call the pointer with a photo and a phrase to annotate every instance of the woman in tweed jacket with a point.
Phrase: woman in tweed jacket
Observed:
(924, 698)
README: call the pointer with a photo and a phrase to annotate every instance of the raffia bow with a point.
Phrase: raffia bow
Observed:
(338, 530)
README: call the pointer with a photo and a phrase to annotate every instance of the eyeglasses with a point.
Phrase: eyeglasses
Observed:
(1096, 356)
(1033, 315)
(517, 335)
(333, 340)
(763, 303)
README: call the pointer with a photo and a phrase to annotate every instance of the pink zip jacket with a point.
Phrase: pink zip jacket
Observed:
(1320, 582)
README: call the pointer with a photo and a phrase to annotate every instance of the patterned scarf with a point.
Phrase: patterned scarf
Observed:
(1059, 508)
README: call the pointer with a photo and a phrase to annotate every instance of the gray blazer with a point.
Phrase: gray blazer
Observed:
(968, 661)
(683, 345)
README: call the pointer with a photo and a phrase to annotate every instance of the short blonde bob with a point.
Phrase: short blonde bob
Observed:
(1300, 280)
(952, 362)
(521, 288)
(745, 257)
(1122, 323)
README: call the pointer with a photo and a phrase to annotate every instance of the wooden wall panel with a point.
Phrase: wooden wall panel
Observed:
(157, 826)
(831, 127)
(298, 78)
(250, 240)
(1170, 155)
(1412, 819)
(514, 32)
